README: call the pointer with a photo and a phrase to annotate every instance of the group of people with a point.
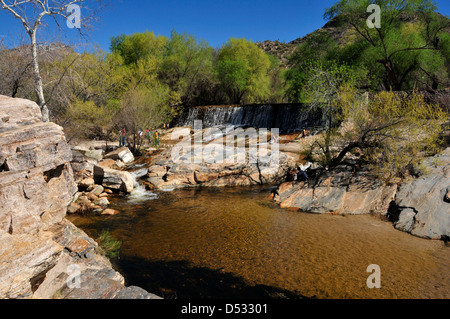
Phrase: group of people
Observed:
(152, 138)
(299, 174)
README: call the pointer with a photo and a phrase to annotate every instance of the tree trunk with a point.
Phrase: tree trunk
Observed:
(38, 85)
(391, 74)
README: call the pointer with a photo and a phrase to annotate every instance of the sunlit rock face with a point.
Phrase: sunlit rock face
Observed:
(422, 206)
(36, 182)
(38, 246)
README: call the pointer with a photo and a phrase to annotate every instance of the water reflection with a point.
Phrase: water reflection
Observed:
(225, 243)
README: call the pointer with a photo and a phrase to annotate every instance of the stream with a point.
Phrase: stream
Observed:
(237, 243)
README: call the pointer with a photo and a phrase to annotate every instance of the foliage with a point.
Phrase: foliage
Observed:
(87, 120)
(16, 71)
(138, 46)
(406, 52)
(321, 89)
(397, 132)
(147, 108)
(109, 245)
(147, 78)
(243, 69)
(277, 81)
(186, 65)
(391, 132)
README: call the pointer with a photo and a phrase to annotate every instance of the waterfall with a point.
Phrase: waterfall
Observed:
(286, 117)
(140, 193)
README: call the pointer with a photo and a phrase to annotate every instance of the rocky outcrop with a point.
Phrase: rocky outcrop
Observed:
(35, 173)
(98, 176)
(123, 154)
(113, 179)
(262, 167)
(340, 191)
(420, 207)
(39, 248)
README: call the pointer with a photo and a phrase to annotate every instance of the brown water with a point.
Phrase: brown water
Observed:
(233, 243)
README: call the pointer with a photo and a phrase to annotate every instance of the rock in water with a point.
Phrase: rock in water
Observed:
(421, 206)
(123, 154)
(114, 179)
(339, 192)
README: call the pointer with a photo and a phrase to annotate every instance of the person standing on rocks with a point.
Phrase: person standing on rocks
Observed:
(123, 137)
(157, 139)
(304, 133)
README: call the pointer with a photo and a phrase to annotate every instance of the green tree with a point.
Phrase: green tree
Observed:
(84, 119)
(32, 16)
(89, 77)
(391, 132)
(243, 70)
(146, 108)
(187, 64)
(138, 46)
(322, 48)
(321, 90)
(407, 50)
(277, 81)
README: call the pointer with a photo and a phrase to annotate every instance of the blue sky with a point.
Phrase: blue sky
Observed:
(212, 20)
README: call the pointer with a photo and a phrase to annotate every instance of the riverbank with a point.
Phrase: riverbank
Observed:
(213, 242)
(418, 206)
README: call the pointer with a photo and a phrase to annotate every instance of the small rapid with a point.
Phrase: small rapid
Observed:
(140, 194)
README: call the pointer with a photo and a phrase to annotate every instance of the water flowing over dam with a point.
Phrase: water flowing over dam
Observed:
(286, 117)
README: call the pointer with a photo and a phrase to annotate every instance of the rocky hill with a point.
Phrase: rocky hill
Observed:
(283, 50)
(333, 29)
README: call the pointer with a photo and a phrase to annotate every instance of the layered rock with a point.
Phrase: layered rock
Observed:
(123, 154)
(419, 206)
(36, 176)
(113, 179)
(206, 170)
(38, 246)
(340, 191)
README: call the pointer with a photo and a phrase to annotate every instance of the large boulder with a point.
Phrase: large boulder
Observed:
(17, 112)
(37, 183)
(24, 259)
(206, 170)
(38, 246)
(91, 154)
(114, 179)
(420, 207)
(338, 191)
(123, 154)
(36, 187)
(84, 159)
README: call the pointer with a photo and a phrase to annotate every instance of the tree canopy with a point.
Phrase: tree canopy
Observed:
(159, 75)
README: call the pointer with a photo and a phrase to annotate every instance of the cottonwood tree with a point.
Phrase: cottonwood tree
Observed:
(187, 63)
(243, 70)
(31, 13)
